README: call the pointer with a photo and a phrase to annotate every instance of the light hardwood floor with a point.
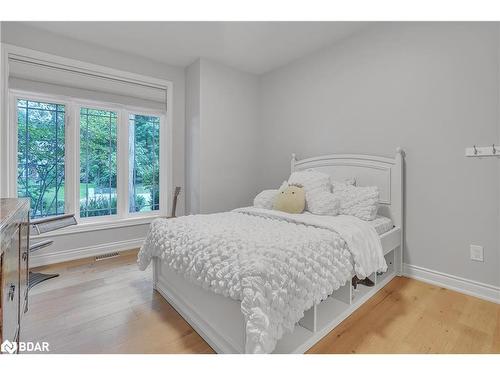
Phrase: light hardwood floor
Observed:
(109, 307)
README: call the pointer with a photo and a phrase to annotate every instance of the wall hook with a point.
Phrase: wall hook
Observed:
(483, 151)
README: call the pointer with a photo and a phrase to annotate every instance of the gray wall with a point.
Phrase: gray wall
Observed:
(24, 36)
(223, 133)
(431, 88)
(193, 138)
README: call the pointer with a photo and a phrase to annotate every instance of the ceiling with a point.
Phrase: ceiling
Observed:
(255, 47)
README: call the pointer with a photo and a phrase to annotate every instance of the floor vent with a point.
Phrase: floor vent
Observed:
(106, 256)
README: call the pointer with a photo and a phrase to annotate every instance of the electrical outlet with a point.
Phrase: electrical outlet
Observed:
(477, 253)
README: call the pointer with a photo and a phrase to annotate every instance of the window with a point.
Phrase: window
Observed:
(98, 160)
(40, 156)
(144, 176)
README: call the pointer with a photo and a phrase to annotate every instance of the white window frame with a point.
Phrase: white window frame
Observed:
(104, 107)
(162, 169)
(14, 96)
(72, 158)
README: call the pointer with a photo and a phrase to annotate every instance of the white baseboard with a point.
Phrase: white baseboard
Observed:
(474, 288)
(83, 252)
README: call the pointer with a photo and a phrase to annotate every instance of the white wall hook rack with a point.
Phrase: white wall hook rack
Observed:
(481, 151)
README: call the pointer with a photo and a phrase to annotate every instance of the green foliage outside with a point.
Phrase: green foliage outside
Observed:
(41, 156)
(97, 162)
(145, 194)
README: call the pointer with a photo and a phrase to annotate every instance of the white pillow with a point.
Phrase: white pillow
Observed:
(361, 202)
(265, 199)
(346, 181)
(315, 183)
(327, 204)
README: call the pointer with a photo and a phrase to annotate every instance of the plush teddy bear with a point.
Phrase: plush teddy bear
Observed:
(291, 199)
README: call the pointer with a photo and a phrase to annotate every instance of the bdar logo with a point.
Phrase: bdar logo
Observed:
(8, 347)
(24, 346)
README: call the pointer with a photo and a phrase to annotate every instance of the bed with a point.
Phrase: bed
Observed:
(285, 300)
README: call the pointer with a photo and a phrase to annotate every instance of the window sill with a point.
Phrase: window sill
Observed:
(83, 227)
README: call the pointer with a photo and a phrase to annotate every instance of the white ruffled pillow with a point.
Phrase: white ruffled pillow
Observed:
(315, 184)
(327, 204)
(265, 199)
(361, 202)
(346, 181)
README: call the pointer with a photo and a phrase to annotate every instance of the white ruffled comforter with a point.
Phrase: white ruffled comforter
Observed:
(278, 265)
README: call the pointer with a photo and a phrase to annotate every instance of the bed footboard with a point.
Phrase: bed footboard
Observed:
(216, 318)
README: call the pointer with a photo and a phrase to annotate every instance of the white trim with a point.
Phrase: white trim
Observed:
(83, 252)
(96, 225)
(459, 284)
(58, 62)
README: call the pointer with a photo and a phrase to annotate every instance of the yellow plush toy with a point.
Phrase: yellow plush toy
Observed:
(291, 199)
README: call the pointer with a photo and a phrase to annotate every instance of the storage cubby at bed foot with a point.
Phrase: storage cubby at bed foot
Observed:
(318, 316)
(330, 312)
(361, 290)
(384, 277)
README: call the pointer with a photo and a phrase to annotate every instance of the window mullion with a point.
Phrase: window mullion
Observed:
(164, 166)
(122, 165)
(72, 160)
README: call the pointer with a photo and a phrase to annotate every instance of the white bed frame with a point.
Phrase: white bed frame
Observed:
(219, 320)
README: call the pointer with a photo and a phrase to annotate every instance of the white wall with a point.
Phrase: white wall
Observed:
(79, 244)
(432, 88)
(226, 135)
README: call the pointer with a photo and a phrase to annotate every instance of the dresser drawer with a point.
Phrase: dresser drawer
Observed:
(23, 267)
(10, 287)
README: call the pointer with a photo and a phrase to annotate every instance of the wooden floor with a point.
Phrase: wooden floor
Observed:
(109, 307)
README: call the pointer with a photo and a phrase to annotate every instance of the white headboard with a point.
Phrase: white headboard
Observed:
(369, 170)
